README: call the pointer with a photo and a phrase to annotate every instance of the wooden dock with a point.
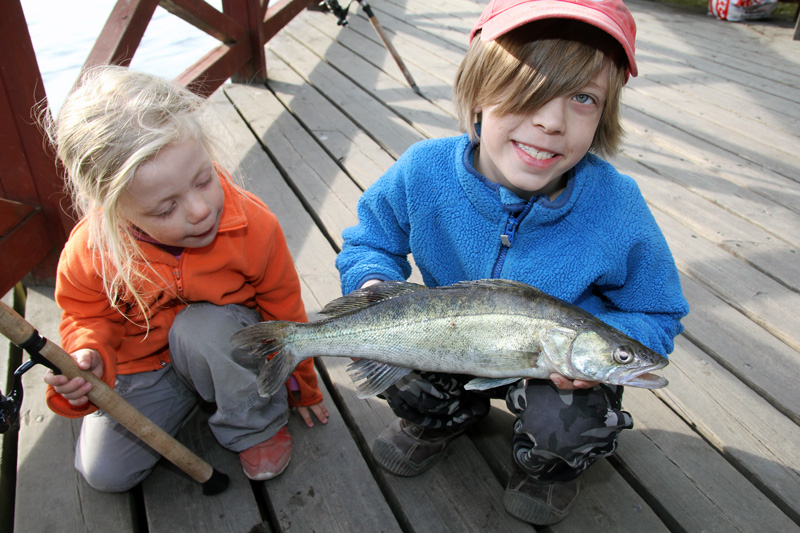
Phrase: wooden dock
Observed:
(713, 133)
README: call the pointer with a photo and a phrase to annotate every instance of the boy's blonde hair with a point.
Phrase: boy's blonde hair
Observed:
(112, 122)
(525, 68)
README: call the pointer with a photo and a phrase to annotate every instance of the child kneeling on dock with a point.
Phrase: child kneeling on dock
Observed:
(168, 261)
(523, 196)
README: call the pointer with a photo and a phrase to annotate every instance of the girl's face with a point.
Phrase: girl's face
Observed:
(176, 196)
(530, 154)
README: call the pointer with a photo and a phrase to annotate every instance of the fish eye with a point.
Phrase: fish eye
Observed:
(623, 355)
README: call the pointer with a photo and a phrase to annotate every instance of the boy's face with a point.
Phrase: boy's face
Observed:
(176, 197)
(529, 154)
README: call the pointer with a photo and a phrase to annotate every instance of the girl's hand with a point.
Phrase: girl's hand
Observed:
(76, 389)
(319, 410)
(564, 383)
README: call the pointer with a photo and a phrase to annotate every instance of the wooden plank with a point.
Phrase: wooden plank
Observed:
(724, 227)
(757, 150)
(755, 357)
(363, 158)
(323, 186)
(327, 482)
(783, 142)
(173, 500)
(424, 116)
(748, 431)
(777, 110)
(396, 18)
(387, 129)
(760, 298)
(738, 207)
(766, 53)
(695, 487)
(709, 159)
(431, 75)
(50, 493)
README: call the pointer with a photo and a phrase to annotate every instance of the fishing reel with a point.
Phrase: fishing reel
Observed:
(11, 405)
(334, 7)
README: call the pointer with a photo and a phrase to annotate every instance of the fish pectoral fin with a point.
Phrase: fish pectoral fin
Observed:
(489, 383)
(373, 377)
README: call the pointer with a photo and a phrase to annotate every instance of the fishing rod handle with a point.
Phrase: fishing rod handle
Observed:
(20, 332)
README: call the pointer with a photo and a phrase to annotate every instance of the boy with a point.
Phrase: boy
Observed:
(523, 196)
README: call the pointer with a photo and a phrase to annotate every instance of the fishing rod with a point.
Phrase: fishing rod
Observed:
(45, 352)
(341, 15)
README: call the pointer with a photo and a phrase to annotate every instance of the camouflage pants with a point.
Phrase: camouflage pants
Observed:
(557, 435)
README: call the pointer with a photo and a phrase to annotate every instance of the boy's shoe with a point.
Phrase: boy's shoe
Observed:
(538, 502)
(406, 449)
(269, 458)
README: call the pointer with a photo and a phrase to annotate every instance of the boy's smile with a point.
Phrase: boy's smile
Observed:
(176, 197)
(530, 153)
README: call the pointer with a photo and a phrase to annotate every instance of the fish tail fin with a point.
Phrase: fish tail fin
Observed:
(263, 339)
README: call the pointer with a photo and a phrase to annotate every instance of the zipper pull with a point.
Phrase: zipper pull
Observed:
(508, 238)
(178, 281)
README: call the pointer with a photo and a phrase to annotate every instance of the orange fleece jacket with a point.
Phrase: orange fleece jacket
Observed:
(248, 263)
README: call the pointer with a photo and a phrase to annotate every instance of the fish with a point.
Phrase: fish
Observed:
(498, 331)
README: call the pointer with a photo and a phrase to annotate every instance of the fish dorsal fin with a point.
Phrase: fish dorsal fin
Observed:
(497, 284)
(369, 296)
(372, 377)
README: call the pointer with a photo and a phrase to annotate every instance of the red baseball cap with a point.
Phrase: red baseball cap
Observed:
(611, 16)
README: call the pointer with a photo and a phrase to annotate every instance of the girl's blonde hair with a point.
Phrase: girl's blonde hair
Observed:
(112, 122)
(527, 67)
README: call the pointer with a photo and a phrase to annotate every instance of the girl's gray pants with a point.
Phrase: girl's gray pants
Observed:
(204, 367)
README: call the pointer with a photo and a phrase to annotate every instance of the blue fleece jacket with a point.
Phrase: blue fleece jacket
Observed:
(597, 245)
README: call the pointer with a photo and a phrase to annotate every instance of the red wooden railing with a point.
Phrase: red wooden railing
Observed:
(35, 214)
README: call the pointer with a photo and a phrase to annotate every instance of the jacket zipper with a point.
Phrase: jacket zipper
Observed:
(507, 238)
(178, 281)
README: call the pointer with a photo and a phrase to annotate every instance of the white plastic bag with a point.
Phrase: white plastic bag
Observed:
(737, 10)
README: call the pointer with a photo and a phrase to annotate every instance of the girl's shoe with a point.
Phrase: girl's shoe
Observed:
(269, 458)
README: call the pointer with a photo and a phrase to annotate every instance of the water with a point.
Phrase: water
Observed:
(63, 33)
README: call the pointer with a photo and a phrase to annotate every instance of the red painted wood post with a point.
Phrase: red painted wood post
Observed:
(28, 173)
(250, 14)
(122, 33)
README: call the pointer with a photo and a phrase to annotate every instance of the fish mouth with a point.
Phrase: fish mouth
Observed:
(642, 377)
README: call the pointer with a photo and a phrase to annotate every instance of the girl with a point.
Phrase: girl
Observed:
(169, 259)
(523, 196)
